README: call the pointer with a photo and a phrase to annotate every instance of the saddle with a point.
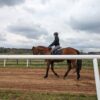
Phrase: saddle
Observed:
(57, 51)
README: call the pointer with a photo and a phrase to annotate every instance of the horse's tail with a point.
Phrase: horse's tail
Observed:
(79, 61)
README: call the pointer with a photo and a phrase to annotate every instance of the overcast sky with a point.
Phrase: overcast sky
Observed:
(27, 23)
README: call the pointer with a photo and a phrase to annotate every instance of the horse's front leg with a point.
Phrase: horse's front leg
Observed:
(69, 68)
(47, 70)
(52, 68)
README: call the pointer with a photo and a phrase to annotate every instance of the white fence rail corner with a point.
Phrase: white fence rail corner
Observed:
(93, 57)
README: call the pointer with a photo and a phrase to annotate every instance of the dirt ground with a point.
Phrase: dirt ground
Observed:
(27, 79)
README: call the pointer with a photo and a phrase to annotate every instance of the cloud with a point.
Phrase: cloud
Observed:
(28, 30)
(10, 2)
(85, 16)
(35, 21)
(2, 37)
(89, 26)
(82, 43)
(42, 1)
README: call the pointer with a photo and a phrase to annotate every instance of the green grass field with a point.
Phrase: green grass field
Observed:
(42, 64)
(17, 95)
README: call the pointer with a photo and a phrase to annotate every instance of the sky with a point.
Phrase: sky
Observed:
(27, 23)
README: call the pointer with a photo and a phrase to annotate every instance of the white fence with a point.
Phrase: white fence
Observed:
(94, 57)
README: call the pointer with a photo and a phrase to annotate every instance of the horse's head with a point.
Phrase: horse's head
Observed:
(35, 51)
(41, 50)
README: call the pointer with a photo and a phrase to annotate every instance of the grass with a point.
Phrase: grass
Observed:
(18, 95)
(42, 64)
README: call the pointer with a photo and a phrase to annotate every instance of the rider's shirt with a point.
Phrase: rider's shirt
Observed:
(55, 42)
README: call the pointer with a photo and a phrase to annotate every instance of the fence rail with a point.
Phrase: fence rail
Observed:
(94, 57)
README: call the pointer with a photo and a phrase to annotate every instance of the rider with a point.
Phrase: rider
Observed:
(55, 43)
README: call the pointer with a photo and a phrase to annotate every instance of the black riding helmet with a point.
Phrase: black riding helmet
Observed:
(55, 33)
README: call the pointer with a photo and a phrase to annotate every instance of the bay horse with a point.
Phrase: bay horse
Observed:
(72, 63)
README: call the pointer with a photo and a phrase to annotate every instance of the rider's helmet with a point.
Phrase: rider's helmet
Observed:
(55, 33)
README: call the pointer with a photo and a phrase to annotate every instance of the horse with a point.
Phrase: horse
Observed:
(72, 63)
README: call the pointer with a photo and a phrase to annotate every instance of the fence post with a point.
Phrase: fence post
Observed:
(97, 79)
(4, 63)
(17, 61)
(27, 62)
(30, 61)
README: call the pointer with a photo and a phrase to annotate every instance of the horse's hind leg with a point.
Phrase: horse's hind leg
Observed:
(79, 65)
(47, 70)
(77, 69)
(69, 68)
(78, 73)
(52, 68)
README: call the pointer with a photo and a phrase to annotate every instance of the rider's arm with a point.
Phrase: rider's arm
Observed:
(52, 44)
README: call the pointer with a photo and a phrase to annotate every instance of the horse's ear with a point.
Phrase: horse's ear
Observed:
(33, 47)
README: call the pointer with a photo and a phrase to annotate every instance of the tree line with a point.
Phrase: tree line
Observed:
(15, 51)
(26, 51)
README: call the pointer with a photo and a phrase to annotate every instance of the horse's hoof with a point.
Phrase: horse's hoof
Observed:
(57, 76)
(78, 78)
(45, 77)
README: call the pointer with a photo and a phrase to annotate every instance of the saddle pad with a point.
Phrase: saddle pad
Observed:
(57, 52)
